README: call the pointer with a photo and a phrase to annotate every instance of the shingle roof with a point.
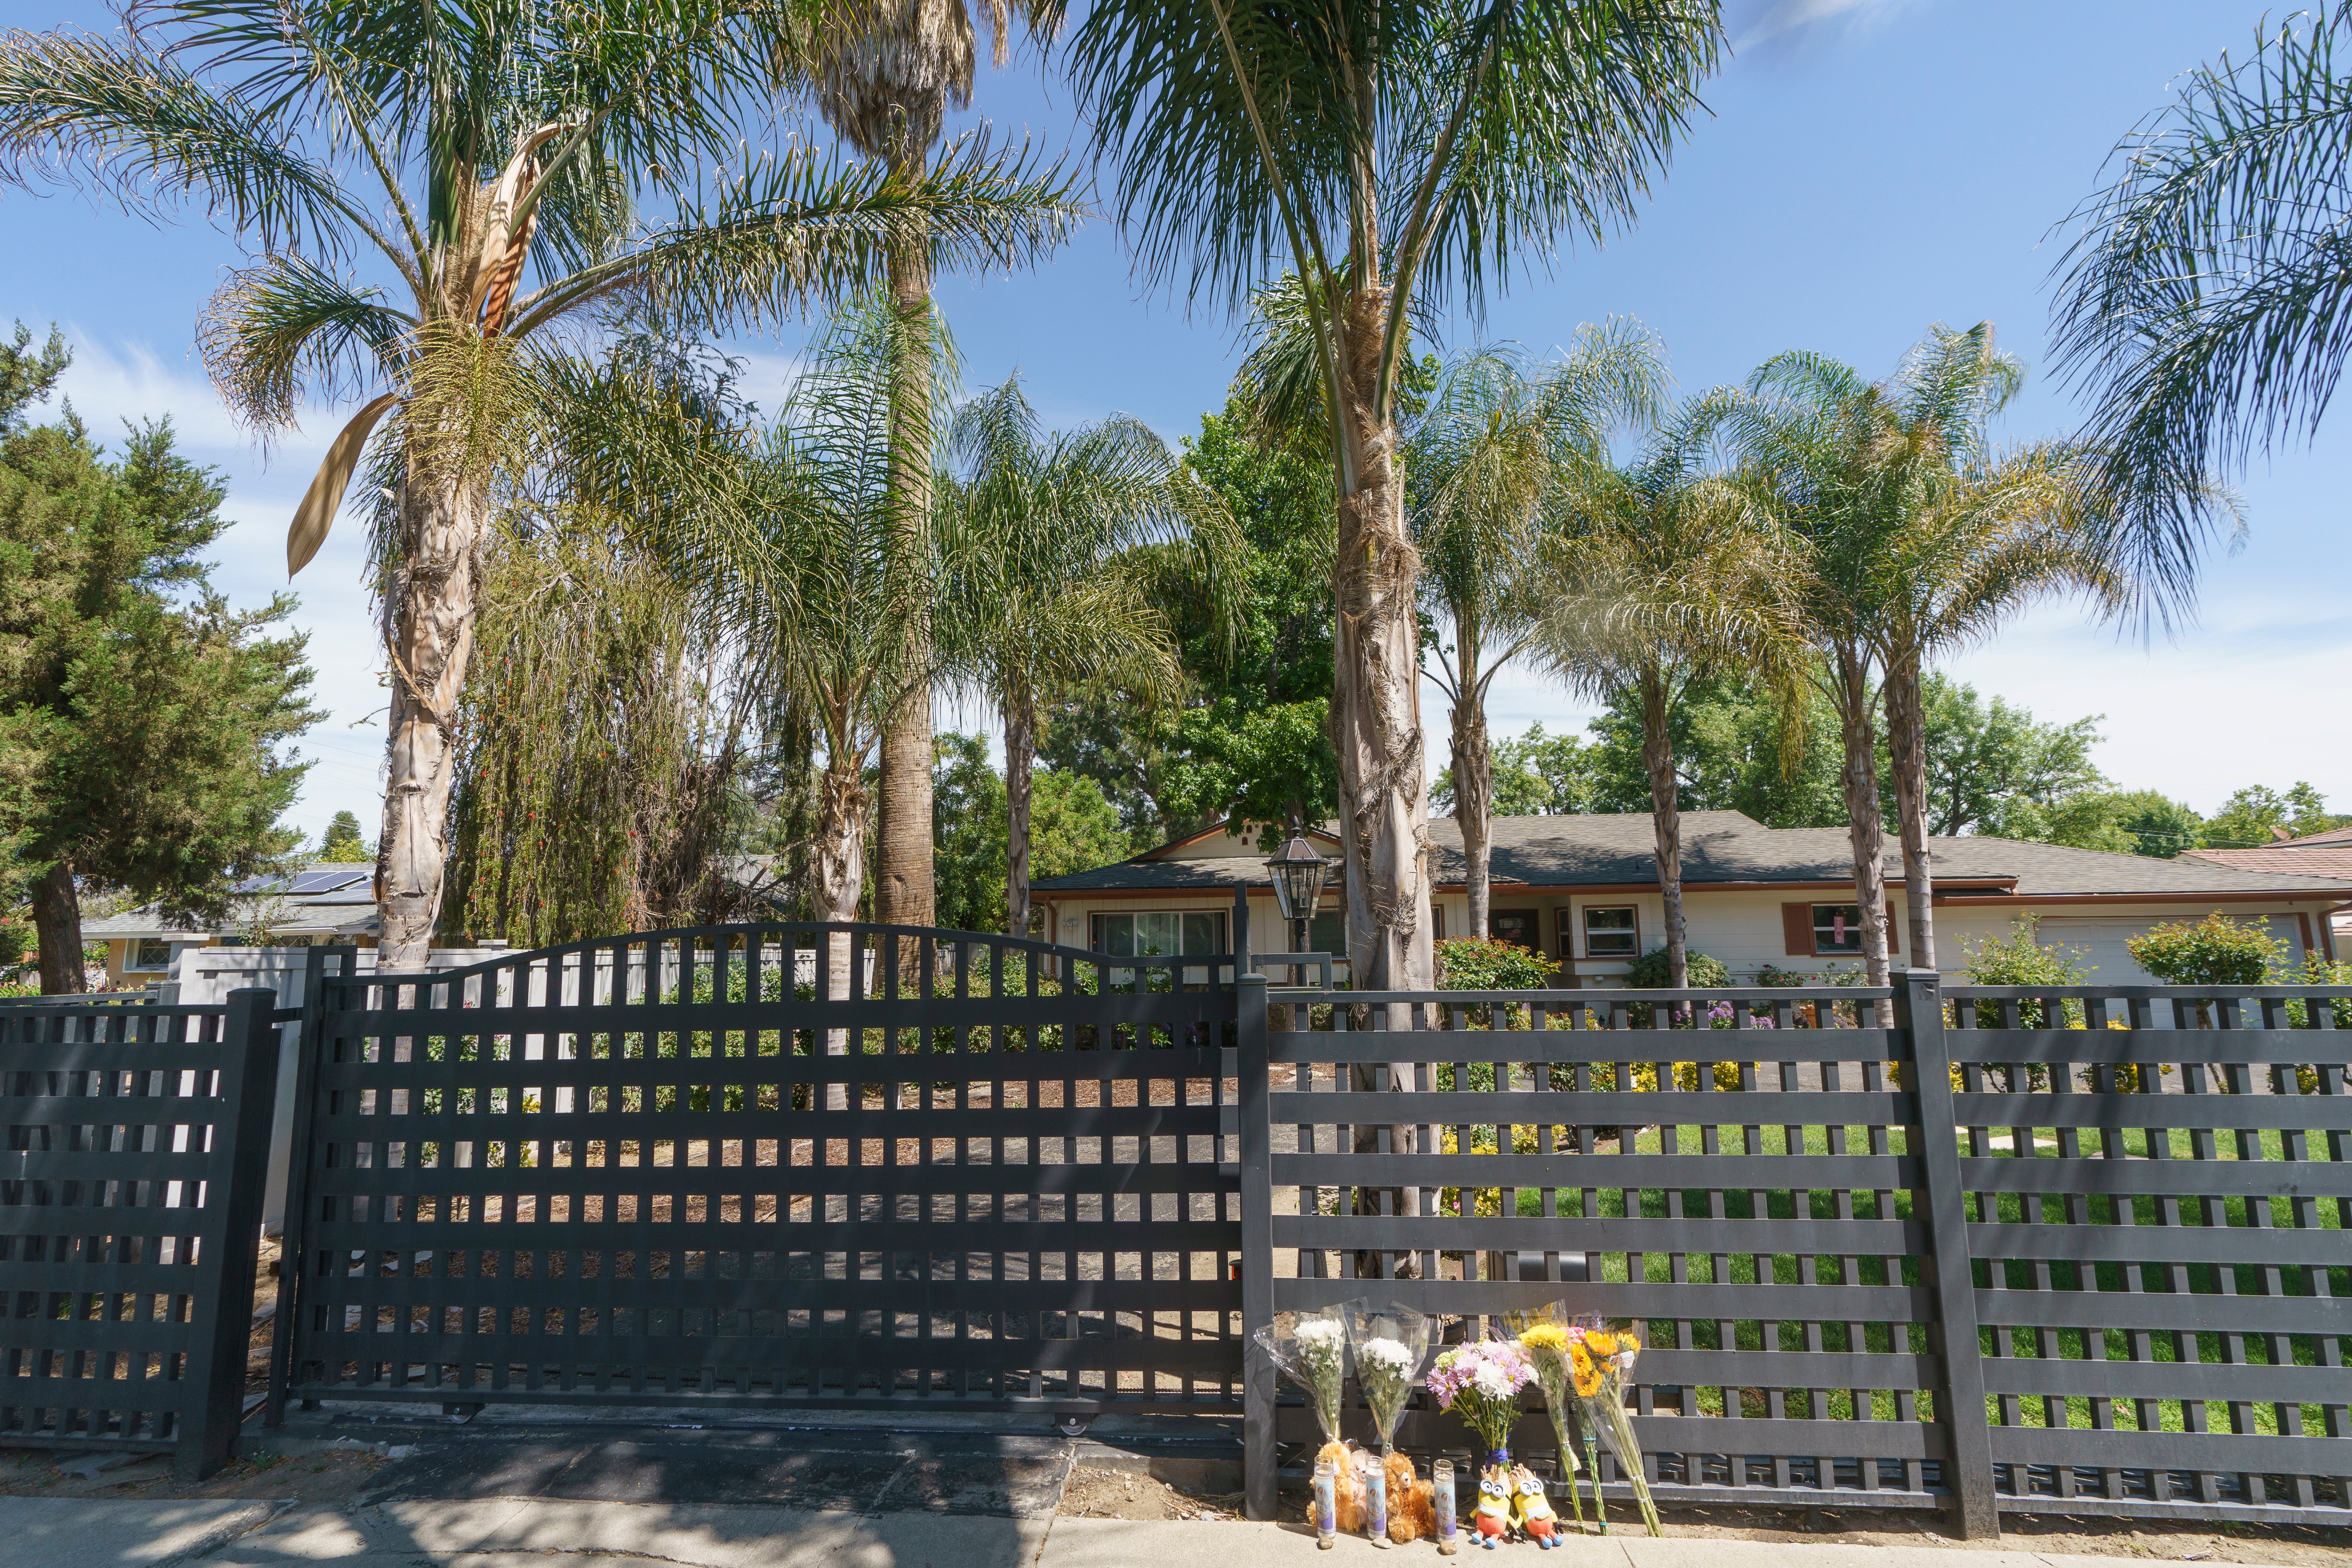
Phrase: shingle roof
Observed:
(327, 896)
(2332, 861)
(1725, 846)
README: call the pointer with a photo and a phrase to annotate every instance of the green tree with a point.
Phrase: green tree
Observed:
(1496, 457)
(1735, 749)
(1375, 154)
(459, 143)
(341, 842)
(2157, 825)
(141, 718)
(1535, 774)
(1990, 768)
(1040, 535)
(616, 744)
(2258, 815)
(1071, 827)
(1251, 742)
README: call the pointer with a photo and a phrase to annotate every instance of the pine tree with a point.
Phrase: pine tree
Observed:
(343, 845)
(141, 718)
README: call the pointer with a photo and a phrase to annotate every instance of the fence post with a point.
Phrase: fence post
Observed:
(229, 1234)
(1919, 1005)
(1257, 1248)
(292, 1228)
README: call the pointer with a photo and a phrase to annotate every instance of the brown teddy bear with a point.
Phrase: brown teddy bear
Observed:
(1412, 1504)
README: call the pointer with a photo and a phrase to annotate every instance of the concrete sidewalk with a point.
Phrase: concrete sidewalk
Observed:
(514, 1532)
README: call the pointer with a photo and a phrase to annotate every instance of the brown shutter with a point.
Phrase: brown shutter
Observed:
(1893, 931)
(1797, 929)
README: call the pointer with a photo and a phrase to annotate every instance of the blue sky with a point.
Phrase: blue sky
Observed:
(1871, 166)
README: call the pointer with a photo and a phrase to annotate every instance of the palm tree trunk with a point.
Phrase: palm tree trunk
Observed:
(1376, 723)
(57, 926)
(1907, 744)
(1863, 829)
(1020, 764)
(1376, 701)
(905, 890)
(432, 642)
(1474, 779)
(837, 876)
(1666, 817)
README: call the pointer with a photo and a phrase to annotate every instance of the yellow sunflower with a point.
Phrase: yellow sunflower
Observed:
(1587, 1369)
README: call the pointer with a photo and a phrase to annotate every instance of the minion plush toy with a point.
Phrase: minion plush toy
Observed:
(1493, 1513)
(1531, 1509)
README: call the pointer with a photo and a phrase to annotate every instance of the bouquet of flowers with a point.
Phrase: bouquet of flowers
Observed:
(1544, 1338)
(1311, 1348)
(1389, 1345)
(1480, 1382)
(1600, 1358)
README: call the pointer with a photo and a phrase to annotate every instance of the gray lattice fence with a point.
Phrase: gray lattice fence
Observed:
(131, 1189)
(1789, 1216)
(2156, 1216)
(706, 1165)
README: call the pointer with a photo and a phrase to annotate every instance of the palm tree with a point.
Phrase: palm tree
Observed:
(1502, 445)
(1658, 577)
(887, 72)
(1370, 150)
(791, 532)
(1805, 428)
(1972, 535)
(2202, 302)
(1039, 540)
(328, 128)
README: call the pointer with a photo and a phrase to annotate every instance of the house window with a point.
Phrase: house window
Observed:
(1611, 932)
(1520, 928)
(146, 953)
(1837, 927)
(1159, 934)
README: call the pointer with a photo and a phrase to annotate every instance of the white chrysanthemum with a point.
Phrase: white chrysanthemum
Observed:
(1383, 1355)
(1494, 1382)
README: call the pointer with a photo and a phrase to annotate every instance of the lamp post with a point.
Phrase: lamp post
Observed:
(1298, 871)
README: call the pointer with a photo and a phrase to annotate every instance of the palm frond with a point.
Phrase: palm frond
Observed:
(2202, 302)
(139, 127)
(287, 326)
(796, 230)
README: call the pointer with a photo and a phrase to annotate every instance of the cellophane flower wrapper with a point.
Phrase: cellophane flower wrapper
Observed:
(1480, 1382)
(1601, 1357)
(1544, 1337)
(1311, 1349)
(1389, 1345)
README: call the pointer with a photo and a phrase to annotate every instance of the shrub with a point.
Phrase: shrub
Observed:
(1649, 972)
(2215, 951)
(2020, 959)
(1477, 964)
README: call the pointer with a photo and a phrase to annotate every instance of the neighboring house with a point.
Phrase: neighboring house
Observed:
(1584, 891)
(2325, 854)
(330, 902)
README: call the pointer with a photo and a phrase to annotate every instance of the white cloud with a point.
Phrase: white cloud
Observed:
(1789, 16)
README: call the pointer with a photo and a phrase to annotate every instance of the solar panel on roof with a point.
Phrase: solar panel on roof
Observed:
(325, 882)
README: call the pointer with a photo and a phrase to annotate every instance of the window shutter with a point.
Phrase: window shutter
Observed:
(1893, 931)
(1797, 929)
